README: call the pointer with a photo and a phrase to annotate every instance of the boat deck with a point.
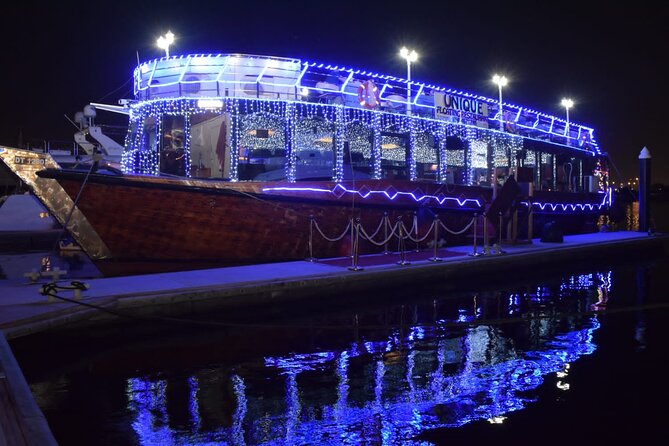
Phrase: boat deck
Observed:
(24, 310)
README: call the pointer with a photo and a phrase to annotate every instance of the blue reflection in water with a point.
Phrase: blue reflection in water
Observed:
(384, 391)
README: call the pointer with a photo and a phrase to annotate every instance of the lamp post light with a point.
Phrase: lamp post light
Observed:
(410, 56)
(165, 41)
(501, 81)
(567, 104)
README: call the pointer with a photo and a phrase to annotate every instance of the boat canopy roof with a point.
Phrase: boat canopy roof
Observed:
(199, 76)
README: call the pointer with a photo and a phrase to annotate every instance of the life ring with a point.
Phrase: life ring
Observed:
(368, 95)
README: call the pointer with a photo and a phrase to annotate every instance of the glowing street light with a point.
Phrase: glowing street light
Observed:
(567, 104)
(410, 56)
(165, 41)
(501, 81)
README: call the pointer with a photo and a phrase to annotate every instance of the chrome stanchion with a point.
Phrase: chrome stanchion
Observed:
(354, 257)
(436, 239)
(311, 257)
(499, 243)
(400, 244)
(352, 236)
(415, 226)
(486, 244)
(385, 233)
(476, 221)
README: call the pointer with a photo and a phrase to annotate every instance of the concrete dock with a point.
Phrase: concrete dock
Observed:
(24, 310)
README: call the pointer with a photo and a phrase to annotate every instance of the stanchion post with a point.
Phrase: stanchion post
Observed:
(355, 241)
(486, 242)
(400, 243)
(352, 234)
(385, 233)
(311, 240)
(499, 242)
(436, 239)
(476, 222)
(530, 216)
(415, 226)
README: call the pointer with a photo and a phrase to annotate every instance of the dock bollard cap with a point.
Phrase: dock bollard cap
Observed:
(645, 153)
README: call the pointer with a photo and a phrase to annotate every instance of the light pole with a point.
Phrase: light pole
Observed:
(165, 41)
(567, 104)
(501, 81)
(410, 56)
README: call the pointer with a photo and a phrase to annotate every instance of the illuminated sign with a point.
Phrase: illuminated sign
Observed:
(460, 109)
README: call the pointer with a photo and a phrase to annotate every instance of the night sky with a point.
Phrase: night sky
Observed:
(609, 57)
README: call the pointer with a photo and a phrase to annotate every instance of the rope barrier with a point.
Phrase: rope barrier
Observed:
(384, 242)
(336, 239)
(398, 230)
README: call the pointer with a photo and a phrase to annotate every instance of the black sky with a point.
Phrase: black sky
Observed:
(610, 58)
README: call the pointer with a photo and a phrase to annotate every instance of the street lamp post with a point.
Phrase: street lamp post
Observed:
(410, 56)
(165, 41)
(567, 104)
(501, 81)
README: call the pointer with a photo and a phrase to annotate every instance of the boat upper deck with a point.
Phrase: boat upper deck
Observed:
(207, 76)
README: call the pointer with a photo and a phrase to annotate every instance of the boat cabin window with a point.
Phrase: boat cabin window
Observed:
(394, 156)
(479, 153)
(426, 156)
(262, 153)
(149, 135)
(357, 151)
(210, 145)
(173, 157)
(314, 149)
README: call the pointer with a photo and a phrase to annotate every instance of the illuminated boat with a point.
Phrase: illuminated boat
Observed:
(240, 159)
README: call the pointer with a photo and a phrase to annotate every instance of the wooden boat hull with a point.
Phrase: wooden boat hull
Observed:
(185, 223)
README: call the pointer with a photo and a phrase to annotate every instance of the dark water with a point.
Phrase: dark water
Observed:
(575, 354)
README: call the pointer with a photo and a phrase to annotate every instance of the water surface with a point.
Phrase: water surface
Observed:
(580, 347)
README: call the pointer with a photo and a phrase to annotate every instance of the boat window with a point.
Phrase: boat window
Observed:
(357, 151)
(426, 157)
(455, 160)
(481, 174)
(149, 136)
(394, 150)
(173, 157)
(314, 149)
(262, 152)
(210, 145)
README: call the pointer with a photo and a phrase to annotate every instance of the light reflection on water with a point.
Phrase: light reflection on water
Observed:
(433, 371)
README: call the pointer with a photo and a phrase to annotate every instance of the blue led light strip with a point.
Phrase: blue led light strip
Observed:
(573, 206)
(367, 193)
